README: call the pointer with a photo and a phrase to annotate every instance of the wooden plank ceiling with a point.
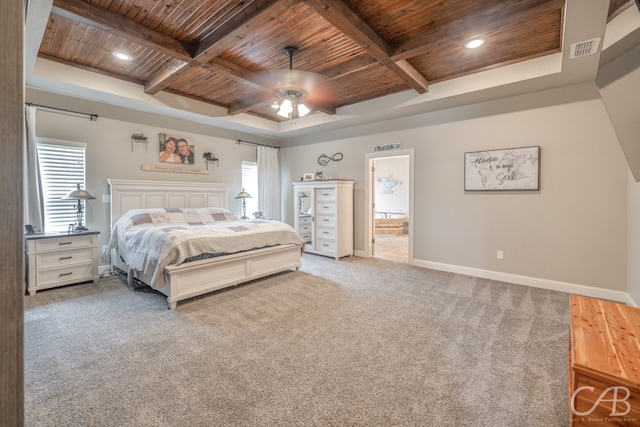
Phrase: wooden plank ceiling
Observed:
(230, 53)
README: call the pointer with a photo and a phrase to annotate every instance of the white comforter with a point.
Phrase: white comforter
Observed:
(148, 240)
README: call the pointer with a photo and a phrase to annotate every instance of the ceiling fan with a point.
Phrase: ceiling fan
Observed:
(297, 92)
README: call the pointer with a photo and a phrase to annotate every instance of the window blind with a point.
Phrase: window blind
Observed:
(250, 185)
(62, 168)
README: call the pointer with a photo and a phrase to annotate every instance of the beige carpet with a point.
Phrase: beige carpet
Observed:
(360, 342)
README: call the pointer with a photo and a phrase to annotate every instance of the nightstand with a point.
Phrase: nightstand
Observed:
(58, 259)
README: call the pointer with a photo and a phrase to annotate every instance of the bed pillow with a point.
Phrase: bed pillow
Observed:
(162, 217)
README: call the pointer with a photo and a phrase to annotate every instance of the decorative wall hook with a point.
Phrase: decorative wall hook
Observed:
(138, 137)
(209, 157)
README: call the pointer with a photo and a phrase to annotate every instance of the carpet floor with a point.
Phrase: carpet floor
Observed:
(356, 342)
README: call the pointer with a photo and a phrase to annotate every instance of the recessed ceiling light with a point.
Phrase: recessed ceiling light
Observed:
(474, 43)
(122, 56)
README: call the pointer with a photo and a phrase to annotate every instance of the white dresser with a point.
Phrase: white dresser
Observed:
(57, 259)
(328, 206)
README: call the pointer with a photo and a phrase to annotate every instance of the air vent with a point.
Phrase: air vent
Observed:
(587, 47)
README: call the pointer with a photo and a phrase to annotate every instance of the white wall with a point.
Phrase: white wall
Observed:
(394, 199)
(571, 231)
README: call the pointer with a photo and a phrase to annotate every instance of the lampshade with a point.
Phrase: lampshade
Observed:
(243, 195)
(78, 194)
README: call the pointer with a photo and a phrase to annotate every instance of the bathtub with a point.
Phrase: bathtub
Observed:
(393, 223)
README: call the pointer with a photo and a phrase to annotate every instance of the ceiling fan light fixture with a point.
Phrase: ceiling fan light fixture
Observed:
(303, 110)
(286, 108)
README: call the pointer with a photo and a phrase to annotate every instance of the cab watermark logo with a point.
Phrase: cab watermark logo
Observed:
(617, 395)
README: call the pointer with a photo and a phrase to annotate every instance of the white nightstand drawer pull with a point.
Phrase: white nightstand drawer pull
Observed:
(62, 258)
(64, 274)
(65, 243)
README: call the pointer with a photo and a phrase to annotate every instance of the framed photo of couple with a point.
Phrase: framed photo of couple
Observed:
(173, 149)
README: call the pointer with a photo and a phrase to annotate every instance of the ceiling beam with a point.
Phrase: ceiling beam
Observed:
(346, 20)
(249, 19)
(483, 23)
(216, 42)
(89, 14)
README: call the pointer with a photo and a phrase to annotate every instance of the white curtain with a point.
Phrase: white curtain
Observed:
(268, 182)
(33, 199)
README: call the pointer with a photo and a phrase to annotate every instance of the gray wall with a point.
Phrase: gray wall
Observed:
(110, 154)
(573, 230)
(618, 82)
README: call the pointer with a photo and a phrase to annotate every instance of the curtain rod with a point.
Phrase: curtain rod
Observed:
(241, 141)
(93, 117)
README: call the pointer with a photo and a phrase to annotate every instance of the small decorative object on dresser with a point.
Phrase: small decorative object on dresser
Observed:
(604, 363)
(58, 259)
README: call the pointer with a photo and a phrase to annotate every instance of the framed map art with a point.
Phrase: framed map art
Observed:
(496, 170)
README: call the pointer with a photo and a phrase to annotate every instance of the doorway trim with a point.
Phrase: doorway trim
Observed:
(368, 197)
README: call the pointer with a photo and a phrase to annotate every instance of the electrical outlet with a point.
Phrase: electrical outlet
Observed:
(500, 255)
(106, 198)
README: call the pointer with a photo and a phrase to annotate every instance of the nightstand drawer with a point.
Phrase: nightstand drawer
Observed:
(70, 274)
(58, 258)
(64, 242)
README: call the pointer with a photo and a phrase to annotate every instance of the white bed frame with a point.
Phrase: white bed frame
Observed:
(199, 277)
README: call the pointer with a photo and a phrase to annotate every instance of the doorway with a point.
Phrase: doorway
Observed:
(390, 205)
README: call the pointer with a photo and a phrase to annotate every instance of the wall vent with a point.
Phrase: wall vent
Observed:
(584, 48)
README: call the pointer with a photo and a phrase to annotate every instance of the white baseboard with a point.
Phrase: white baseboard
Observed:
(570, 288)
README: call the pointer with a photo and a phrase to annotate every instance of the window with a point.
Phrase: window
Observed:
(62, 168)
(250, 185)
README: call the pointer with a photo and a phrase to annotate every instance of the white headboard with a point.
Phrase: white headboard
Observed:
(135, 194)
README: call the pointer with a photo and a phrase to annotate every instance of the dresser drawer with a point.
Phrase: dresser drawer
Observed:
(305, 220)
(306, 228)
(326, 245)
(326, 221)
(58, 258)
(306, 237)
(70, 274)
(326, 233)
(324, 194)
(325, 208)
(63, 242)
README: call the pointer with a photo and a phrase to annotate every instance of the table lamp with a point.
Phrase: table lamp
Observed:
(244, 195)
(79, 195)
